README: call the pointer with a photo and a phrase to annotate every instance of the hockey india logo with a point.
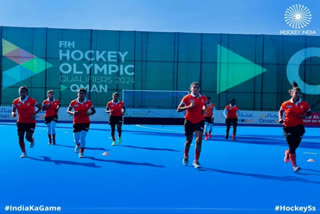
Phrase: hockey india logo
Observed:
(297, 16)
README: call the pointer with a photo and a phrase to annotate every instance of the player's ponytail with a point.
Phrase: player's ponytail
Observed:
(294, 84)
(294, 87)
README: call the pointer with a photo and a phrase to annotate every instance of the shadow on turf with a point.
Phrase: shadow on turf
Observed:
(265, 140)
(60, 162)
(247, 139)
(149, 148)
(87, 148)
(261, 176)
(310, 170)
(125, 162)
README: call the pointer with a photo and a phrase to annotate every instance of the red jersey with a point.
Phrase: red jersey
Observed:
(209, 110)
(52, 110)
(25, 109)
(115, 107)
(294, 112)
(231, 111)
(194, 114)
(82, 109)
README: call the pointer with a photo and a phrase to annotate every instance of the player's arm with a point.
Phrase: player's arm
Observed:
(58, 107)
(225, 112)
(213, 112)
(280, 115)
(204, 109)
(308, 114)
(92, 112)
(38, 108)
(69, 111)
(124, 109)
(182, 106)
(239, 116)
(45, 107)
(108, 110)
(13, 111)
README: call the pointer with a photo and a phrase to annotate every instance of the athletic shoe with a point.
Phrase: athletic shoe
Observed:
(119, 140)
(77, 148)
(196, 164)
(234, 139)
(49, 143)
(81, 155)
(286, 158)
(113, 143)
(227, 137)
(296, 169)
(23, 155)
(53, 141)
(185, 161)
(210, 136)
(206, 138)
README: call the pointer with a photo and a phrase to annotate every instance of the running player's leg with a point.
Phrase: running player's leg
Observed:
(21, 140)
(119, 128)
(76, 137)
(186, 149)
(206, 130)
(234, 124)
(228, 123)
(113, 130)
(29, 136)
(199, 132)
(188, 131)
(49, 132)
(297, 137)
(53, 131)
(21, 132)
(83, 135)
(286, 131)
(210, 128)
(29, 133)
(293, 143)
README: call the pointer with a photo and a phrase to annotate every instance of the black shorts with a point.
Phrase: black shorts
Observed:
(294, 131)
(209, 119)
(51, 118)
(115, 120)
(189, 127)
(234, 121)
(26, 127)
(78, 127)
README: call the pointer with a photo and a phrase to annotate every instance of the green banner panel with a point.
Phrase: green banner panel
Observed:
(257, 70)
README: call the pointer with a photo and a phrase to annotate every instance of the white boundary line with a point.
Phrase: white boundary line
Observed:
(310, 153)
(145, 127)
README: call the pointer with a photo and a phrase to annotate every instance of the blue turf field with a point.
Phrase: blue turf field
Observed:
(145, 173)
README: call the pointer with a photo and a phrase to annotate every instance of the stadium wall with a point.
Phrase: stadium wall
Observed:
(255, 69)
